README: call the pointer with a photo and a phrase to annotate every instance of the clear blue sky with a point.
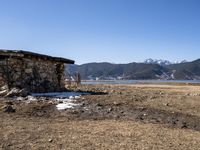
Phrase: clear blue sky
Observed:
(117, 31)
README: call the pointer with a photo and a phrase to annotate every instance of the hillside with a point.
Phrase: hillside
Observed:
(108, 71)
(120, 71)
(186, 71)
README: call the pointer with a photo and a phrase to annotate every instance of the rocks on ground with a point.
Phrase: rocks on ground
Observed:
(8, 109)
(6, 92)
(17, 92)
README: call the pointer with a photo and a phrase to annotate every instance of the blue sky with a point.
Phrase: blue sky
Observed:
(117, 31)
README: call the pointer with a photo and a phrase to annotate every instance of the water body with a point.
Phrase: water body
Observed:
(137, 81)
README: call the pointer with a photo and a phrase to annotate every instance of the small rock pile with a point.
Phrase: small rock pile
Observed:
(6, 92)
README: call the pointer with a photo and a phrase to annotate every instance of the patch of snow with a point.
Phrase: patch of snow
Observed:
(172, 75)
(162, 62)
(71, 97)
(19, 98)
(65, 106)
(31, 98)
(65, 99)
(77, 97)
(157, 61)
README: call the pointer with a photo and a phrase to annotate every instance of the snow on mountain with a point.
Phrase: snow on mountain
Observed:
(162, 62)
(179, 62)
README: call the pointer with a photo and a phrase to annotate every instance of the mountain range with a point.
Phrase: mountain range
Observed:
(149, 69)
(162, 62)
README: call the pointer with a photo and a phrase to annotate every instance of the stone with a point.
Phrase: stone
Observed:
(3, 93)
(105, 91)
(5, 87)
(144, 114)
(117, 103)
(112, 91)
(167, 104)
(99, 105)
(13, 92)
(20, 98)
(23, 93)
(8, 109)
(110, 109)
(194, 94)
(152, 97)
(184, 125)
(9, 103)
(28, 70)
(44, 75)
(17, 92)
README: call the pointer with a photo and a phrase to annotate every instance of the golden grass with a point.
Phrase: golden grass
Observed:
(104, 134)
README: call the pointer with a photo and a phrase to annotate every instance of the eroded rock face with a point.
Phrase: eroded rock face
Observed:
(31, 74)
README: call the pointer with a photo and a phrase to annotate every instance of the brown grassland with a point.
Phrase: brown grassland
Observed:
(139, 116)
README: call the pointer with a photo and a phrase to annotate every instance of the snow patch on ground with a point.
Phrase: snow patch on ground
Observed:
(66, 99)
(67, 103)
(64, 106)
(31, 98)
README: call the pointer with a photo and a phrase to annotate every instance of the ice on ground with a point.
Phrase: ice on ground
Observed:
(59, 94)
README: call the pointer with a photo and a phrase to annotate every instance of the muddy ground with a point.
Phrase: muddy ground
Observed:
(141, 116)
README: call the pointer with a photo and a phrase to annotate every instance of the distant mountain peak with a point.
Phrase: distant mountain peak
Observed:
(162, 62)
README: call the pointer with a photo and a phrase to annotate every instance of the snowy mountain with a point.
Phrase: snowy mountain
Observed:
(162, 62)
(152, 69)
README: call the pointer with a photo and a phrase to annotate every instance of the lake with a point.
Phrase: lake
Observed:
(136, 81)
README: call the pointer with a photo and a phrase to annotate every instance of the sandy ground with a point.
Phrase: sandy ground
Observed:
(113, 117)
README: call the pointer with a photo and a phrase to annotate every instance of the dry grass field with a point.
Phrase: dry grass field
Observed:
(142, 116)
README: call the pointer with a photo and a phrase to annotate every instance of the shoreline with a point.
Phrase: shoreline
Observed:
(146, 82)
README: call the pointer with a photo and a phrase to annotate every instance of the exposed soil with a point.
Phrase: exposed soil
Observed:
(165, 110)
